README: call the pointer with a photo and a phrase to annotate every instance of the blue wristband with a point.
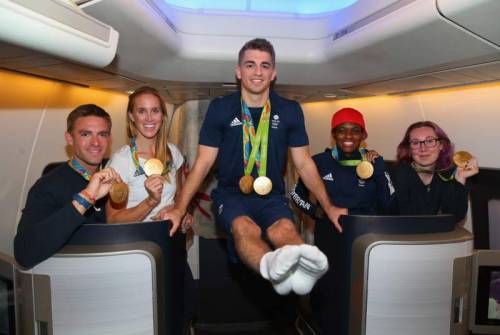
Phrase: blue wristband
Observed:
(82, 201)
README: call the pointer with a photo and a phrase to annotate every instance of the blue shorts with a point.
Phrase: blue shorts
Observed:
(263, 210)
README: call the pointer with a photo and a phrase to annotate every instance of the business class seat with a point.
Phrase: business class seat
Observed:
(91, 293)
(109, 279)
(7, 303)
(235, 299)
(390, 275)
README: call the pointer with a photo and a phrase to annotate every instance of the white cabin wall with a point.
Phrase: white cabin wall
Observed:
(33, 115)
(469, 116)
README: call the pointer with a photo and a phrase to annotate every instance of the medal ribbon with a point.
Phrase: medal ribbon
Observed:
(349, 162)
(82, 171)
(255, 144)
(138, 168)
(443, 178)
(135, 157)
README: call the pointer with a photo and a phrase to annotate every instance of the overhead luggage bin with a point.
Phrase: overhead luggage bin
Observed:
(58, 28)
(480, 17)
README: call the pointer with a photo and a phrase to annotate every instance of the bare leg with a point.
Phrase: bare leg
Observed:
(294, 265)
(276, 266)
(248, 242)
(283, 232)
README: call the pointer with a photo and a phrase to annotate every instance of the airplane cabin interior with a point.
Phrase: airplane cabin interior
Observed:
(396, 61)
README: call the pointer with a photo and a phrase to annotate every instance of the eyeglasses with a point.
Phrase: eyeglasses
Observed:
(428, 143)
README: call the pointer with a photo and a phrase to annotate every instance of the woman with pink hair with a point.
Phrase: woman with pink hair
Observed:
(425, 179)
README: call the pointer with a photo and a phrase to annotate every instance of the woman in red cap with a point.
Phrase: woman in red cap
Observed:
(425, 179)
(354, 177)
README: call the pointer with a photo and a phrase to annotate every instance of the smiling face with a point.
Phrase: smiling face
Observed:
(90, 139)
(256, 72)
(424, 147)
(146, 115)
(348, 137)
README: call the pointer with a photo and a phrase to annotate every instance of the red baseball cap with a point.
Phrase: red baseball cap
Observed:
(351, 115)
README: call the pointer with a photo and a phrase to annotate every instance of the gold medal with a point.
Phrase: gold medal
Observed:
(246, 184)
(118, 193)
(262, 185)
(153, 166)
(460, 158)
(364, 170)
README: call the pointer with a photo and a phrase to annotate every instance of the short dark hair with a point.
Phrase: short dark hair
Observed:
(258, 44)
(86, 110)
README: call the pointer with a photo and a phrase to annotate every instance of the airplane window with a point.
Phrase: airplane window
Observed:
(276, 6)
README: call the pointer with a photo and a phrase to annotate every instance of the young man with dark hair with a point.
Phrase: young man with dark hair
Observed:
(71, 194)
(249, 133)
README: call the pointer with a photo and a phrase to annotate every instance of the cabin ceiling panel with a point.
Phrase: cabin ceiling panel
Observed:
(402, 85)
(11, 51)
(461, 76)
(246, 22)
(405, 46)
(116, 83)
(412, 40)
(21, 63)
(217, 92)
(373, 40)
(70, 72)
(16, 58)
(484, 72)
(481, 17)
(179, 96)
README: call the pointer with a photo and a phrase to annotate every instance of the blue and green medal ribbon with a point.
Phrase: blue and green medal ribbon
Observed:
(348, 162)
(255, 143)
(80, 169)
(364, 169)
(135, 158)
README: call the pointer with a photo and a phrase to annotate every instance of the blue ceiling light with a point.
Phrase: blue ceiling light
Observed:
(266, 6)
(299, 6)
(229, 5)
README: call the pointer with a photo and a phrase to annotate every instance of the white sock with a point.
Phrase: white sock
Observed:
(312, 265)
(278, 266)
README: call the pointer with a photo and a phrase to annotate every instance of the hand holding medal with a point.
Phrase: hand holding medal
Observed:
(364, 169)
(153, 166)
(461, 158)
(466, 166)
(102, 181)
(118, 193)
(153, 169)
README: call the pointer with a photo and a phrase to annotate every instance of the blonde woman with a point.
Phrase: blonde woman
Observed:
(147, 130)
